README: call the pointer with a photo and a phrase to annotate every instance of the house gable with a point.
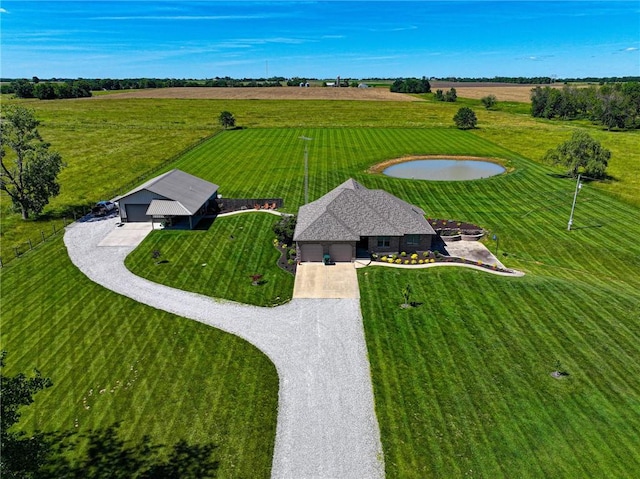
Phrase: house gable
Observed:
(351, 211)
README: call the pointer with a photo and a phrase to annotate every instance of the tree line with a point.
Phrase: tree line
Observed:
(614, 105)
(48, 90)
(411, 85)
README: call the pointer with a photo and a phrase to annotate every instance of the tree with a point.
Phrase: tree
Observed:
(29, 173)
(227, 120)
(21, 455)
(489, 101)
(465, 119)
(580, 154)
(22, 88)
(406, 295)
(451, 95)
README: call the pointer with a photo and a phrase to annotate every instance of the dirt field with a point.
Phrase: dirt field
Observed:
(268, 93)
(502, 91)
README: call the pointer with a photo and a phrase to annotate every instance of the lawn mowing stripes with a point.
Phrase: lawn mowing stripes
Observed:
(515, 304)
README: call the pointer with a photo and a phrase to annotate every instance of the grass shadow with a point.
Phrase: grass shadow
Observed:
(104, 454)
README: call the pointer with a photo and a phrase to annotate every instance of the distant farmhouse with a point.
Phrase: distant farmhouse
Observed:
(352, 218)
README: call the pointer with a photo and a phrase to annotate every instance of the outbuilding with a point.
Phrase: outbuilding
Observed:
(352, 220)
(172, 197)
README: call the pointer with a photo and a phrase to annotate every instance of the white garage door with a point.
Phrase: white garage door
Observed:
(341, 252)
(137, 213)
(311, 252)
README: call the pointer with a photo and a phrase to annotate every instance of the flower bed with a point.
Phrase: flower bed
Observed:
(287, 260)
(429, 257)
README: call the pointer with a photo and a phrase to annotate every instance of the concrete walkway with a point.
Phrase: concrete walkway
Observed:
(327, 428)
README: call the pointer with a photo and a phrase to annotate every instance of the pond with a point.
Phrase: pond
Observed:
(444, 170)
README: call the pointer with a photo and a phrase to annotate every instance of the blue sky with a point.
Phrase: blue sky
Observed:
(357, 39)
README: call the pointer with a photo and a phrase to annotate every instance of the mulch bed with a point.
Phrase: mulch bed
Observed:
(449, 227)
(283, 261)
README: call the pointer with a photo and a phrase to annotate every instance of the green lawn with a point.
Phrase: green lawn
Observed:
(160, 375)
(218, 262)
(462, 382)
(110, 144)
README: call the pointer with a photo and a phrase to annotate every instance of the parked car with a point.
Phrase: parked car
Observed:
(103, 208)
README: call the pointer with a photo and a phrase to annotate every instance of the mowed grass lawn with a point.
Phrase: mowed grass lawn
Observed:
(108, 144)
(218, 262)
(462, 382)
(113, 360)
(453, 397)
(579, 297)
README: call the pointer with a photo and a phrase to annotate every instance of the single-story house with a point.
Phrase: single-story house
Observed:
(352, 219)
(171, 197)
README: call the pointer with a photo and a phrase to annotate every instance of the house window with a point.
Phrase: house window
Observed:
(384, 241)
(412, 240)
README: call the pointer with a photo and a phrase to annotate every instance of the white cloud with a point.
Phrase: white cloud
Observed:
(630, 49)
(2, 10)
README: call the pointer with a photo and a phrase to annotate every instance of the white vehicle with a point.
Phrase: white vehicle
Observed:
(103, 207)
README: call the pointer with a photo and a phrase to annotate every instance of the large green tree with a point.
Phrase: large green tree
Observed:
(29, 170)
(465, 118)
(580, 154)
(22, 455)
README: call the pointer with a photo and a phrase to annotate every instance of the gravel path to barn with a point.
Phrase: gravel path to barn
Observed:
(327, 426)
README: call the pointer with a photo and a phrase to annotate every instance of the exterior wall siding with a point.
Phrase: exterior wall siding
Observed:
(140, 197)
(398, 244)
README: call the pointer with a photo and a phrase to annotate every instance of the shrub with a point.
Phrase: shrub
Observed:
(284, 229)
(421, 261)
(414, 256)
(406, 261)
(413, 261)
(398, 261)
(390, 260)
(425, 254)
(384, 258)
(403, 254)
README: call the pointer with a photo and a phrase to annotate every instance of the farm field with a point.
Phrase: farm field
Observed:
(462, 381)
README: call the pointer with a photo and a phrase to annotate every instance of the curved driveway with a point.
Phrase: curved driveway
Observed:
(327, 426)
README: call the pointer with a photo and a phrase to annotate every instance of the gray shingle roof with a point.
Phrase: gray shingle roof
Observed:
(166, 208)
(189, 191)
(350, 211)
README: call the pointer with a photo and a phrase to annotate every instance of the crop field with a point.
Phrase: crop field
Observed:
(462, 381)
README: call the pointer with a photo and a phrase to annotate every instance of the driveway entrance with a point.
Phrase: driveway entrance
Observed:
(317, 280)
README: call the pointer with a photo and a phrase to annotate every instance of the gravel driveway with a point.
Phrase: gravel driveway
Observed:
(327, 426)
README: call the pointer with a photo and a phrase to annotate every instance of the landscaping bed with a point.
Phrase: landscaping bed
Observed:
(428, 257)
(288, 258)
(454, 228)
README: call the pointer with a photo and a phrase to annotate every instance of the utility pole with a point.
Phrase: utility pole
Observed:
(306, 168)
(573, 207)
